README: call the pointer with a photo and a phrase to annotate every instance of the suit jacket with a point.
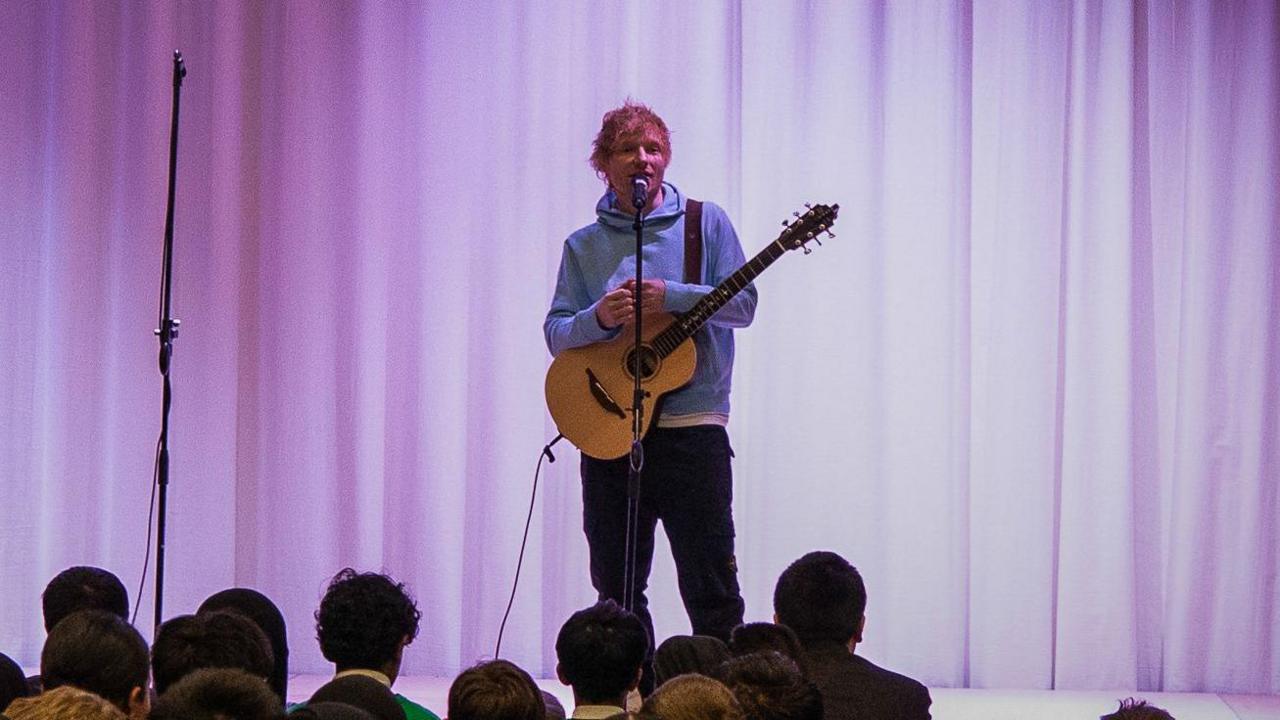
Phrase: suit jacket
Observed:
(853, 688)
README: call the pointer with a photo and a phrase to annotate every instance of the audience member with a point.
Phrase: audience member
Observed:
(364, 622)
(264, 613)
(97, 651)
(1134, 709)
(599, 654)
(681, 654)
(495, 690)
(762, 636)
(64, 703)
(361, 691)
(769, 686)
(218, 694)
(822, 598)
(13, 684)
(691, 697)
(83, 588)
(80, 588)
(188, 643)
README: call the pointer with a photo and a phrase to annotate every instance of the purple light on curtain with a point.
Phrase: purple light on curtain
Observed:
(1030, 390)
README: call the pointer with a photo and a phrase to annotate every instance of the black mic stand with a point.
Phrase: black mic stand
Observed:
(638, 200)
(167, 332)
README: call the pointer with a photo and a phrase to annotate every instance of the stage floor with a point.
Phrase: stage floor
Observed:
(948, 703)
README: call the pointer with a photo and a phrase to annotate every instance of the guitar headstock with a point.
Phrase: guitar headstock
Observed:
(816, 220)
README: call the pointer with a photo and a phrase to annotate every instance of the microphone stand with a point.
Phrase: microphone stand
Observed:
(637, 412)
(167, 332)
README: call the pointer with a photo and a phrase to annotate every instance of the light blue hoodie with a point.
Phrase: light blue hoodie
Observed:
(601, 256)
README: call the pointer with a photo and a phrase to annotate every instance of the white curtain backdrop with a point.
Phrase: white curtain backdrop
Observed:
(1031, 389)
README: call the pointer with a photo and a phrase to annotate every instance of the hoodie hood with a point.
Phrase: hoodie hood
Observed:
(672, 207)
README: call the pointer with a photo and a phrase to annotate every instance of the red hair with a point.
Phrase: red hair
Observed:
(632, 118)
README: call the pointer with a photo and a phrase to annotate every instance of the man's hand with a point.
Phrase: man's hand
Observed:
(653, 294)
(616, 307)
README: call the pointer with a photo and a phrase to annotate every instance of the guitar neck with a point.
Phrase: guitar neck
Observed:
(690, 322)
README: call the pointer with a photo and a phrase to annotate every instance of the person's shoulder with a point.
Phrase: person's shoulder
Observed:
(710, 208)
(901, 683)
(414, 711)
(584, 235)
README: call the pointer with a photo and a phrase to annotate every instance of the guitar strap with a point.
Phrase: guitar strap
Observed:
(693, 242)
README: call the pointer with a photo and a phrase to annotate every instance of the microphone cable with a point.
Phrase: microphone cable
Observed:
(151, 513)
(524, 541)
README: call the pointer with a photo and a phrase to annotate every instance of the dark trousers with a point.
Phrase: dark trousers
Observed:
(686, 483)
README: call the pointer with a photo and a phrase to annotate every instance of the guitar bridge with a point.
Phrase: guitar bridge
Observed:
(602, 396)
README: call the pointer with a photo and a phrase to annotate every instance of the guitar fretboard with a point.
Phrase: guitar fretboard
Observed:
(688, 323)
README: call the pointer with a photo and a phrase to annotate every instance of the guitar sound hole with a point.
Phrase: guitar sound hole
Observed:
(648, 362)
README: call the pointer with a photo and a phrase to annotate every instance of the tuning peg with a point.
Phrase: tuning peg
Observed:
(796, 213)
(830, 234)
(785, 224)
(818, 240)
(809, 205)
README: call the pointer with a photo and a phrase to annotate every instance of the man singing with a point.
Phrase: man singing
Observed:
(687, 481)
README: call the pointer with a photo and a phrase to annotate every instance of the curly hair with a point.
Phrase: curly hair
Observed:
(632, 118)
(363, 619)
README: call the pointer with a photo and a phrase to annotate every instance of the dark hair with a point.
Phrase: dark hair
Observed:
(1134, 709)
(264, 613)
(95, 650)
(329, 711)
(217, 694)
(83, 588)
(691, 697)
(188, 643)
(600, 650)
(363, 619)
(13, 683)
(681, 654)
(360, 691)
(821, 597)
(764, 636)
(495, 690)
(769, 686)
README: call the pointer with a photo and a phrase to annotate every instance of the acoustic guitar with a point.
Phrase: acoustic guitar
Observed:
(589, 389)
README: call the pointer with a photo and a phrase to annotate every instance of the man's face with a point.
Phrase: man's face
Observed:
(640, 153)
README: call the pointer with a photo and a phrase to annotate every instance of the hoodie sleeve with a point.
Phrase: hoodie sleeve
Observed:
(571, 321)
(722, 256)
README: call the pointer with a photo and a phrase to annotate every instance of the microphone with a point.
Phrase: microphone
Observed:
(639, 192)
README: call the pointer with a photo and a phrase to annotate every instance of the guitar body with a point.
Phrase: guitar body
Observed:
(589, 389)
